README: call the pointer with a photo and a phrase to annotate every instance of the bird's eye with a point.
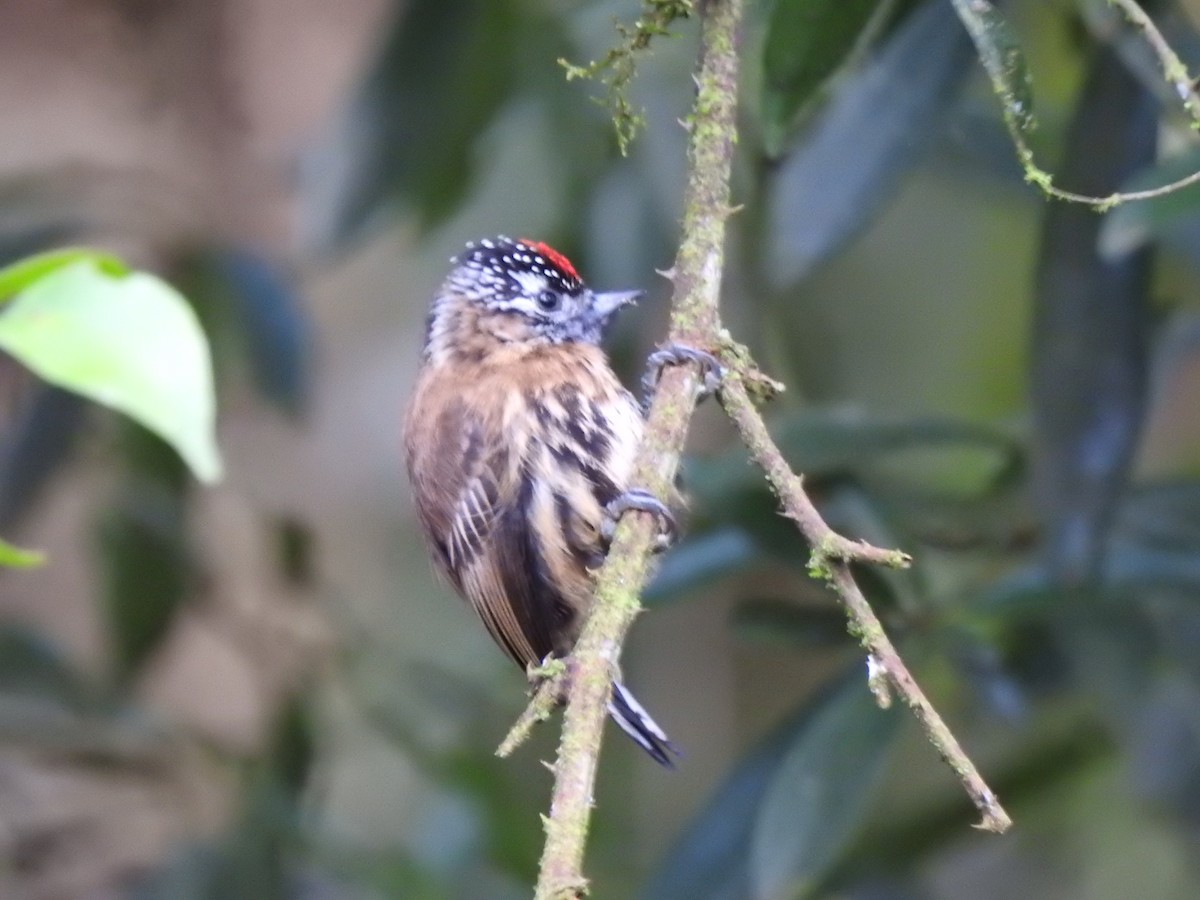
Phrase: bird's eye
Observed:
(548, 300)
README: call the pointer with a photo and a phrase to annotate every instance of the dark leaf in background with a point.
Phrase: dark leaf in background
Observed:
(1164, 738)
(1129, 567)
(1154, 546)
(699, 561)
(998, 522)
(603, 213)
(408, 138)
(1053, 756)
(145, 565)
(391, 872)
(807, 42)
(37, 444)
(19, 243)
(822, 443)
(1090, 329)
(1174, 616)
(142, 552)
(817, 800)
(294, 748)
(1133, 566)
(830, 440)
(256, 859)
(710, 860)
(30, 663)
(875, 127)
(295, 543)
(1164, 515)
(273, 324)
(986, 670)
(449, 725)
(190, 873)
(793, 623)
(709, 863)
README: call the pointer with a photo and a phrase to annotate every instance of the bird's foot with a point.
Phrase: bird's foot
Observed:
(711, 370)
(642, 501)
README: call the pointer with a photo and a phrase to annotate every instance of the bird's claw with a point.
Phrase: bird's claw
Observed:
(711, 370)
(643, 501)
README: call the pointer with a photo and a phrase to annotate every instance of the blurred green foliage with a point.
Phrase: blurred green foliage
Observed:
(974, 376)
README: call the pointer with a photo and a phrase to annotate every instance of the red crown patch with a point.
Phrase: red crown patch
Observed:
(553, 255)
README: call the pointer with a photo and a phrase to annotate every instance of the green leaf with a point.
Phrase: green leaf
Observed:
(127, 341)
(1131, 225)
(818, 798)
(1002, 57)
(17, 558)
(23, 274)
(807, 42)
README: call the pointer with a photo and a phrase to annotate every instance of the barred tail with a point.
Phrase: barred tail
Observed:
(636, 723)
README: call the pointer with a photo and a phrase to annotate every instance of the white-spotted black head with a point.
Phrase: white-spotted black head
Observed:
(514, 291)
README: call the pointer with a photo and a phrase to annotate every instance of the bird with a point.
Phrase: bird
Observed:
(519, 444)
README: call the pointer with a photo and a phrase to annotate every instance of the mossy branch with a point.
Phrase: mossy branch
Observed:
(695, 322)
(548, 681)
(830, 561)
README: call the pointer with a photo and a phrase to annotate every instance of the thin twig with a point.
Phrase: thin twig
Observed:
(831, 558)
(1173, 68)
(1174, 72)
(550, 678)
(694, 320)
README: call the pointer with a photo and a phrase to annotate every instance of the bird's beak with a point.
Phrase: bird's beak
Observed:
(606, 304)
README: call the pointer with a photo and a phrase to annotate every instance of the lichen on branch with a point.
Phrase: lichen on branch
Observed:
(1004, 62)
(695, 322)
(618, 66)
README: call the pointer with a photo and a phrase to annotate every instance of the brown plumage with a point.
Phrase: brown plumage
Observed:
(517, 438)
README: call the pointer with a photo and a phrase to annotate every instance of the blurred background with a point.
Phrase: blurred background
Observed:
(261, 691)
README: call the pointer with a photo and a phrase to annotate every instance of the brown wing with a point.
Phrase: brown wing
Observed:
(474, 489)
